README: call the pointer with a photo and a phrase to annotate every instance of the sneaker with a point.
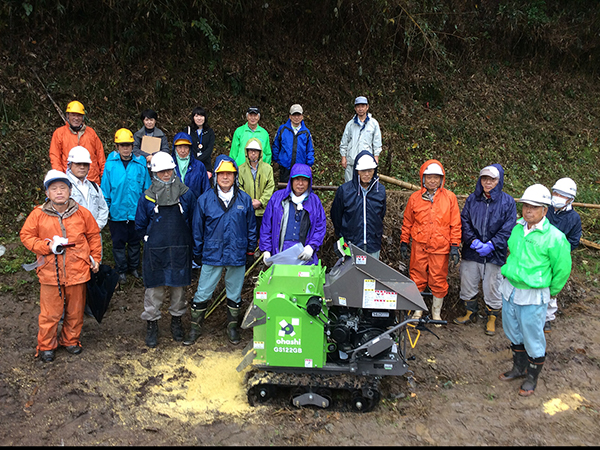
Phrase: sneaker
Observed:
(47, 355)
(74, 349)
(135, 274)
(547, 327)
(122, 278)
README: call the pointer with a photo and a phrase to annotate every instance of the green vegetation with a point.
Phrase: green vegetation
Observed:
(465, 82)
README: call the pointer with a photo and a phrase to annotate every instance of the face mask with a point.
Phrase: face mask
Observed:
(558, 202)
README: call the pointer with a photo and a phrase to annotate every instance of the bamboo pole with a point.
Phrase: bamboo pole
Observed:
(397, 182)
(589, 244)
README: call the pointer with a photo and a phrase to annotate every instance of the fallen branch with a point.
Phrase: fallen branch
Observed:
(589, 244)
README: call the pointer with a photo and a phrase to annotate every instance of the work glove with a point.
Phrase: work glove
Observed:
(306, 253)
(57, 245)
(197, 262)
(485, 249)
(476, 244)
(267, 255)
(249, 259)
(404, 250)
(454, 255)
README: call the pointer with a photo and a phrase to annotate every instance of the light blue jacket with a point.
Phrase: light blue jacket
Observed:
(94, 202)
(123, 188)
(357, 138)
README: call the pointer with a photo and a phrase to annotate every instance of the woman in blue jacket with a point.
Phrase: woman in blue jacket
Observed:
(189, 170)
(488, 217)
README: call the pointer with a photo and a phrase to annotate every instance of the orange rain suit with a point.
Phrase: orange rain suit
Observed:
(64, 139)
(433, 227)
(73, 267)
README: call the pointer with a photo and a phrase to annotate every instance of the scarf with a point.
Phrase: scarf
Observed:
(298, 200)
(183, 164)
(225, 196)
(166, 193)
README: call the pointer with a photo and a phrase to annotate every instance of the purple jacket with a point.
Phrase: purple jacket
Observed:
(270, 229)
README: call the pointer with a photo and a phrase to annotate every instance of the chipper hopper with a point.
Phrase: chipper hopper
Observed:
(319, 337)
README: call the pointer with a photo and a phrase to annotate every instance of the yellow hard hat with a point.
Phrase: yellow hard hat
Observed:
(75, 107)
(225, 166)
(123, 136)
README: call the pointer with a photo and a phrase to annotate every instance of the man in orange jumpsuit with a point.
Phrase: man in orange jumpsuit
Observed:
(75, 133)
(432, 220)
(66, 239)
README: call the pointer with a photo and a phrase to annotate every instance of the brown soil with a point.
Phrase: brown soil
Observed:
(119, 392)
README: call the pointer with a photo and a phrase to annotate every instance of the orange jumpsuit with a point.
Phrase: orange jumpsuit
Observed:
(433, 227)
(64, 139)
(79, 226)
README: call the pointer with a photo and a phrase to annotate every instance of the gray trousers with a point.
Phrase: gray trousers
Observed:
(154, 297)
(471, 273)
(348, 172)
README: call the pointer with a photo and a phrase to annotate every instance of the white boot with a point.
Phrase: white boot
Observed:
(417, 314)
(436, 309)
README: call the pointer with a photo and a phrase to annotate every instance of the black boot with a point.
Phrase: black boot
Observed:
(533, 372)
(519, 368)
(233, 315)
(471, 315)
(198, 314)
(152, 333)
(176, 328)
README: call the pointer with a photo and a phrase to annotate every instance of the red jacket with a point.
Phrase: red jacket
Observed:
(436, 225)
(64, 139)
(79, 226)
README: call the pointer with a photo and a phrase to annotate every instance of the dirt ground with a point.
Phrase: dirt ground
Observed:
(119, 392)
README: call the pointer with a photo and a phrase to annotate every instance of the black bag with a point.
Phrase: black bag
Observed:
(100, 289)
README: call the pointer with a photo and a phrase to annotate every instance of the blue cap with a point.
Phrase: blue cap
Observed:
(361, 100)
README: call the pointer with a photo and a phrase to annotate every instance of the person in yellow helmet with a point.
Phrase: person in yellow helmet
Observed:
(124, 181)
(73, 133)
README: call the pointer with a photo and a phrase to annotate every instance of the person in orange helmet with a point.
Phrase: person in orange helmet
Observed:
(432, 220)
(66, 239)
(73, 133)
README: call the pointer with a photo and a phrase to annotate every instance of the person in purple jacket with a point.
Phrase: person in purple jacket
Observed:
(294, 214)
(488, 217)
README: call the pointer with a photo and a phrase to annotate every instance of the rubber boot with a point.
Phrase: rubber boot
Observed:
(519, 368)
(417, 314)
(198, 313)
(471, 315)
(533, 372)
(120, 257)
(176, 328)
(436, 309)
(152, 333)
(490, 326)
(233, 315)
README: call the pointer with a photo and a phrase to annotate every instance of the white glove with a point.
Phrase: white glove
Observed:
(57, 243)
(266, 255)
(306, 253)
(146, 238)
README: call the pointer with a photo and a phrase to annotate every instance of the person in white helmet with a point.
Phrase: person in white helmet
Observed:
(562, 215)
(66, 239)
(85, 192)
(164, 217)
(537, 268)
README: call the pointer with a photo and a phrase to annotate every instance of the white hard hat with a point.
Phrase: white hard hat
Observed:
(161, 161)
(566, 187)
(536, 195)
(434, 169)
(254, 144)
(365, 162)
(80, 155)
(56, 175)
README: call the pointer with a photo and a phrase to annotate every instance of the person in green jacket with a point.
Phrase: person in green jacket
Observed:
(537, 268)
(256, 179)
(251, 129)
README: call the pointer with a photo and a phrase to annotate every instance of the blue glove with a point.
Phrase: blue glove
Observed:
(476, 244)
(486, 249)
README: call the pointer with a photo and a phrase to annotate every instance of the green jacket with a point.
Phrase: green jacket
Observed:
(540, 259)
(262, 188)
(241, 136)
